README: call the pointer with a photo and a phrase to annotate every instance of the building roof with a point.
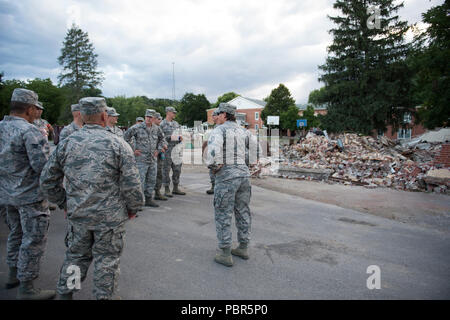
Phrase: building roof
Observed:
(303, 106)
(242, 103)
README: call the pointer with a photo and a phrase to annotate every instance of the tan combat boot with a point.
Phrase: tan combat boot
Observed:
(223, 256)
(12, 280)
(159, 196)
(241, 251)
(167, 192)
(28, 292)
(177, 191)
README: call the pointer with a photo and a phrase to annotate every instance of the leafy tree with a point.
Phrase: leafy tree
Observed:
(367, 81)
(79, 63)
(278, 101)
(317, 96)
(192, 108)
(288, 119)
(51, 97)
(6, 89)
(312, 121)
(225, 98)
(432, 65)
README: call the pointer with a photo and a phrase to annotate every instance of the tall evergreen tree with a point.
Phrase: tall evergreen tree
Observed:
(79, 63)
(432, 65)
(367, 82)
(192, 108)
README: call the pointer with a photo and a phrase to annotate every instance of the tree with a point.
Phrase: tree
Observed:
(367, 81)
(79, 63)
(312, 121)
(317, 96)
(431, 63)
(225, 98)
(51, 96)
(288, 119)
(278, 101)
(192, 108)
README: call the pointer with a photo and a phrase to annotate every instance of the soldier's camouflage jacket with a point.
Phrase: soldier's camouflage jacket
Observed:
(116, 130)
(146, 139)
(102, 180)
(23, 154)
(168, 127)
(68, 130)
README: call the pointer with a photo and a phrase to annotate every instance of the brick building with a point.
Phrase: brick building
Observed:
(248, 111)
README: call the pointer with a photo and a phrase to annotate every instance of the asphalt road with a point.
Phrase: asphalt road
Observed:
(300, 249)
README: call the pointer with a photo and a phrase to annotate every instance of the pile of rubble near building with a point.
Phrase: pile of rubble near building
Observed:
(362, 160)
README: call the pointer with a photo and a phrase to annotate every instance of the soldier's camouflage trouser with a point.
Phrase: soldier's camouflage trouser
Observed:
(168, 164)
(232, 196)
(147, 172)
(27, 239)
(83, 245)
(159, 174)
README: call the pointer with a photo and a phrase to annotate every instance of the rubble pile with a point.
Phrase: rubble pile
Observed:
(364, 160)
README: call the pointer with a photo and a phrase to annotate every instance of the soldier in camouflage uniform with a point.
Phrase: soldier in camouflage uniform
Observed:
(172, 133)
(23, 154)
(76, 124)
(212, 177)
(231, 149)
(43, 124)
(102, 192)
(111, 122)
(148, 143)
(161, 157)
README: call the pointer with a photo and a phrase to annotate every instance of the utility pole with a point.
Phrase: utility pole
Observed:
(173, 81)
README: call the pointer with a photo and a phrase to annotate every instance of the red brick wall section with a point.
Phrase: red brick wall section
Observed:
(444, 157)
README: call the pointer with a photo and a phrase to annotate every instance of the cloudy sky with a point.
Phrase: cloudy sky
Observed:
(248, 47)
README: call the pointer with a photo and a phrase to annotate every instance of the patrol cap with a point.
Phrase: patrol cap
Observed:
(139, 119)
(40, 105)
(158, 115)
(75, 107)
(25, 96)
(171, 109)
(227, 108)
(112, 112)
(92, 105)
(150, 113)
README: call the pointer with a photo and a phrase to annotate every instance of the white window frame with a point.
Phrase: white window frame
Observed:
(404, 133)
(407, 117)
(256, 115)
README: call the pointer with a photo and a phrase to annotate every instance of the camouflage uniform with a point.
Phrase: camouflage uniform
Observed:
(161, 157)
(172, 152)
(68, 130)
(71, 128)
(116, 130)
(232, 189)
(23, 154)
(102, 187)
(147, 140)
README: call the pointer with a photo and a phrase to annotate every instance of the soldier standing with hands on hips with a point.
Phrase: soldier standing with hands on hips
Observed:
(102, 192)
(23, 154)
(231, 149)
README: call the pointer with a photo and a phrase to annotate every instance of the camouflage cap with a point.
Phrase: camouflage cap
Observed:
(158, 115)
(40, 105)
(92, 105)
(25, 96)
(227, 108)
(215, 112)
(75, 107)
(139, 119)
(171, 109)
(112, 112)
(150, 113)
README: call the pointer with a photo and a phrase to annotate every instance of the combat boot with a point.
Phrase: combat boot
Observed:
(12, 280)
(167, 192)
(65, 296)
(210, 191)
(177, 191)
(150, 203)
(241, 251)
(28, 292)
(223, 256)
(159, 196)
